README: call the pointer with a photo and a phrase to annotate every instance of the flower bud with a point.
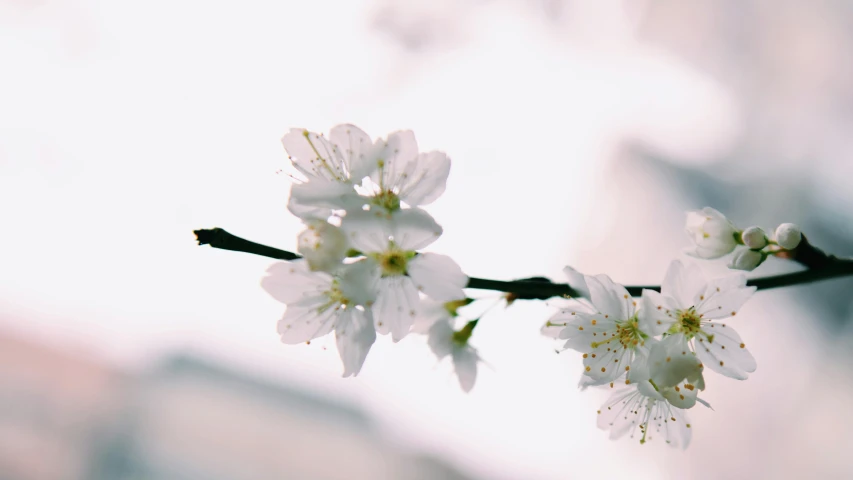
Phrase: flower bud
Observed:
(323, 245)
(788, 236)
(747, 259)
(754, 238)
(711, 232)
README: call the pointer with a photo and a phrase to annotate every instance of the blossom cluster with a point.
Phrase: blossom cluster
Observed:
(363, 273)
(715, 236)
(654, 350)
(362, 270)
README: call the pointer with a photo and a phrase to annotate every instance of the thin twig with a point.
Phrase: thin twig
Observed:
(820, 267)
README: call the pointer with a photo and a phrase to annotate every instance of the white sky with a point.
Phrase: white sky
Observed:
(126, 125)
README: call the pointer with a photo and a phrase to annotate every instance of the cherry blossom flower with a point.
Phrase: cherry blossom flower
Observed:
(390, 243)
(401, 174)
(640, 406)
(608, 332)
(689, 311)
(444, 341)
(747, 260)
(331, 169)
(711, 232)
(318, 303)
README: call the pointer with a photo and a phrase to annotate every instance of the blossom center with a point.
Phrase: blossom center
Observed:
(628, 333)
(689, 322)
(336, 298)
(394, 261)
(386, 199)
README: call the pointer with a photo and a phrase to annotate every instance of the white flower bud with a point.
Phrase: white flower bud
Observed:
(754, 238)
(747, 260)
(788, 236)
(711, 232)
(323, 245)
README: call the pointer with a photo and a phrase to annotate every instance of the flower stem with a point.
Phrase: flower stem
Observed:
(820, 266)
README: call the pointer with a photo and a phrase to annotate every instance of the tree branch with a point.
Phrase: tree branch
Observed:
(820, 267)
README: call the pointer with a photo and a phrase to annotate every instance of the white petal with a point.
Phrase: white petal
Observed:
(684, 283)
(396, 306)
(308, 212)
(354, 335)
(289, 282)
(658, 312)
(610, 298)
(356, 150)
(368, 232)
(393, 157)
(323, 193)
(724, 297)
(425, 178)
(618, 412)
(440, 338)
(465, 363)
(438, 276)
(605, 366)
(414, 229)
(680, 395)
(301, 323)
(313, 155)
(359, 282)
(577, 282)
(430, 313)
(724, 354)
(671, 361)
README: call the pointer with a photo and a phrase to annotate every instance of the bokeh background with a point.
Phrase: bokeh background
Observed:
(580, 132)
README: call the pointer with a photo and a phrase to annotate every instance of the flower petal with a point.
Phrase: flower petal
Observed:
(577, 282)
(392, 159)
(396, 306)
(313, 155)
(425, 178)
(438, 276)
(684, 283)
(354, 336)
(359, 282)
(610, 298)
(367, 231)
(440, 338)
(356, 150)
(671, 361)
(724, 352)
(414, 229)
(465, 363)
(289, 282)
(658, 312)
(301, 323)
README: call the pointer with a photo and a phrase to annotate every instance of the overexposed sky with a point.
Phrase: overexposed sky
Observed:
(124, 126)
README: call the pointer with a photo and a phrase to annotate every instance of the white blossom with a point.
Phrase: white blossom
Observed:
(390, 243)
(689, 310)
(640, 407)
(754, 238)
(608, 333)
(444, 341)
(318, 303)
(711, 232)
(331, 169)
(400, 173)
(323, 245)
(788, 236)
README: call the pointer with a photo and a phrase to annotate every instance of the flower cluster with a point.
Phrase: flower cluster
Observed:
(656, 348)
(362, 271)
(714, 236)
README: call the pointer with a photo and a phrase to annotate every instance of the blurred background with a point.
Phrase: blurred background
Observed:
(580, 132)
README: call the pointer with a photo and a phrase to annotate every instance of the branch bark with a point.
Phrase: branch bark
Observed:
(820, 266)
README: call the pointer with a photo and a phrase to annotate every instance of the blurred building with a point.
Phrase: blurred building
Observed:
(65, 417)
